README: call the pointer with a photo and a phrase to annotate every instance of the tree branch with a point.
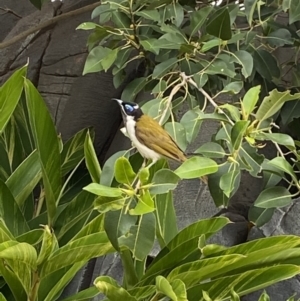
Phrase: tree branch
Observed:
(48, 23)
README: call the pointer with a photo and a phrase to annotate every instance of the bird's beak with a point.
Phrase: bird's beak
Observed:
(119, 101)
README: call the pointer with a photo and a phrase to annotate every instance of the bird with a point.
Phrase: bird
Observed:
(150, 139)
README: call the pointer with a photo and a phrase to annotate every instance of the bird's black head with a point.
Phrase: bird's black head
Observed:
(129, 109)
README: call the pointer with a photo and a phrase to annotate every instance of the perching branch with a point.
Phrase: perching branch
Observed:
(48, 23)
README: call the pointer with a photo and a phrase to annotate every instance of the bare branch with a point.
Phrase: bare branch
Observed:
(48, 23)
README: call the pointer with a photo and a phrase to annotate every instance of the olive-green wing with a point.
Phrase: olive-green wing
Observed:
(156, 138)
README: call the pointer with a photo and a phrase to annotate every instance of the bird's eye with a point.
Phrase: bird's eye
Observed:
(129, 108)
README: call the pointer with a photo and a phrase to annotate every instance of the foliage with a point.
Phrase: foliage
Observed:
(48, 229)
(187, 49)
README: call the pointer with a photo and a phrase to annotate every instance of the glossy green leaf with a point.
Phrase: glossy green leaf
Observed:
(116, 224)
(244, 59)
(272, 104)
(282, 139)
(82, 249)
(250, 100)
(162, 68)
(124, 173)
(233, 87)
(144, 175)
(140, 238)
(237, 133)
(177, 132)
(211, 150)
(271, 174)
(87, 26)
(266, 64)
(260, 216)
(198, 18)
(250, 6)
(164, 287)
(83, 295)
(289, 111)
(100, 58)
(196, 167)
(32, 237)
(294, 11)
(166, 223)
(133, 88)
(280, 37)
(108, 170)
(10, 93)
(244, 283)
(47, 146)
(10, 212)
(25, 178)
(91, 160)
(111, 289)
(73, 151)
(230, 181)
(232, 111)
(191, 122)
(219, 24)
(273, 197)
(149, 14)
(164, 180)
(145, 204)
(283, 165)
(102, 190)
(104, 204)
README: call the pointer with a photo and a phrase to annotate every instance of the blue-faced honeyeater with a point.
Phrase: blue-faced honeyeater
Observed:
(147, 135)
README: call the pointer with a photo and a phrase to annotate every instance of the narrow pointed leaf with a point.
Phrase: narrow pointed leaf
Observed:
(102, 190)
(237, 133)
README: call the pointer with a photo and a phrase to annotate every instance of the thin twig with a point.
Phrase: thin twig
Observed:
(8, 10)
(48, 23)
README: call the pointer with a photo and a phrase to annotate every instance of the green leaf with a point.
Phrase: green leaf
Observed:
(282, 139)
(140, 238)
(73, 151)
(133, 88)
(272, 104)
(82, 249)
(211, 150)
(244, 59)
(283, 165)
(266, 64)
(150, 45)
(91, 159)
(104, 204)
(10, 93)
(244, 283)
(230, 181)
(233, 111)
(196, 167)
(260, 216)
(10, 212)
(191, 122)
(25, 178)
(222, 68)
(108, 170)
(164, 287)
(87, 26)
(219, 24)
(124, 173)
(177, 132)
(198, 18)
(250, 6)
(273, 197)
(102, 190)
(294, 11)
(111, 289)
(233, 87)
(280, 37)
(164, 180)
(45, 137)
(145, 204)
(49, 244)
(149, 14)
(237, 133)
(290, 111)
(250, 100)
(116, 224)
(162, 68)
(166, 223)
(84, 295)
(264, 297)
(100, 58)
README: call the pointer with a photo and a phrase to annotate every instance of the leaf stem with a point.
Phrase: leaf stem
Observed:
(130, 277)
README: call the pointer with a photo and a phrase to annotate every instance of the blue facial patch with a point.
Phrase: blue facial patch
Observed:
(129, 108)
